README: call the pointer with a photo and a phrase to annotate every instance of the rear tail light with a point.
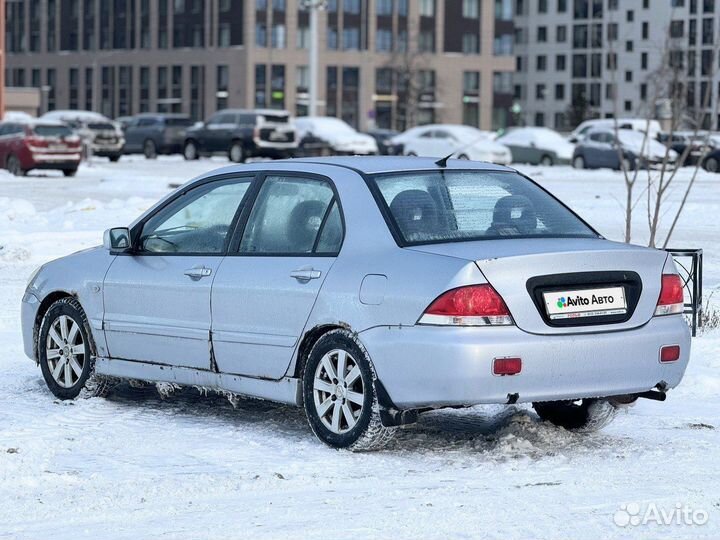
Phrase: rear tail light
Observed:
(256, 133)
(671, 299)
(670, 353)
(476, 305)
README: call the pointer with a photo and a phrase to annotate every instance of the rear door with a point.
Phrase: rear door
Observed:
(218, 131)
(157, 300)
(264, 292)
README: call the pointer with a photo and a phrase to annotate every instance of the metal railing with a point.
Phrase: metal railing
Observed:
(689, 263)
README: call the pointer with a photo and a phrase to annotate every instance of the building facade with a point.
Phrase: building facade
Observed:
(602, 58)
(384, 63)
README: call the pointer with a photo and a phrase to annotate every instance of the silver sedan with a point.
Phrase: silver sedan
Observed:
(366, 290)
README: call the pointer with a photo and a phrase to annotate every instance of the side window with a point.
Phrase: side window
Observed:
(291, 217)
(145, 122)
(198, 222)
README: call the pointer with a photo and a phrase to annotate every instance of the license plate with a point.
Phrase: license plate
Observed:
(57, 147)
(277, 136)
(585, 303)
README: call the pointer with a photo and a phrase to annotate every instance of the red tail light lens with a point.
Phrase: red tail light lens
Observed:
(476, 305)
(671, 299)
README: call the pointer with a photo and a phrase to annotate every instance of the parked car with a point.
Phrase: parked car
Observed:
(39, 144)
(599, 148)
(366, 290)
(340, 136)
(153, 134)
(100, 135)
(637, 124)
(241, 134)
(124, 122)
(679, 142)
(462, 142)
(538, 146)
(386, 146)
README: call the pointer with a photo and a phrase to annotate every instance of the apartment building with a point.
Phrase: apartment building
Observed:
(601, 55)
(384, 63)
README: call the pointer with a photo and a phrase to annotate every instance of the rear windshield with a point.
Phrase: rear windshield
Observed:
(276, 118)
(451, 206)
(181, 122)
(101, 126)
(52, 131)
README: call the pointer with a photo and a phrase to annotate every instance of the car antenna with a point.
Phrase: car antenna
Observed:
(442, 162)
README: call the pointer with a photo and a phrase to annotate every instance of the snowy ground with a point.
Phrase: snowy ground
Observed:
(135, 466)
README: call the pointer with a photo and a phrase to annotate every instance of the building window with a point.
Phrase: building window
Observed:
(470, 44)
(260, 86)
(644, 60)
(303, 37)
(539, 119)
(427, 8)
(35, 22)
(125, 86)
(89, 86)
(580, 36)
(542, 34)
(560, 62)
(503, 45)
(630, 16)
(707, 31)
(629, 46)
(561, 34)
(426, 41)
(383, 40)
(559, 92)
(302, 85)
(384, 7)
(51, 25)
(162, 89)
(331, 88)
(197, 92)
(471, 9)
(107, 91)
(277, 40)
(350, 95)
(277, 86)
(561, 6)
(176, 89)
(471, 98)
(144, 104)
(222, 82)
(74, 88)
(260, 34)
(628, 76)
(541, 62)
(540, 92)
(612, 31)
(351, 39)
(163, 20)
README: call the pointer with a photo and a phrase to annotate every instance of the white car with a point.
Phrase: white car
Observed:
(342, 138)
(100, 135)
(462, 142)
(538, 146)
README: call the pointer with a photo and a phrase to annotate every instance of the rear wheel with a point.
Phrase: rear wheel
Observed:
(236, 154)
(547, 161)
(69, 172)
(712, 165)
(114, 158)
(14, 166)
(579, 162)
(150, 149)
(339, 394)
(190, 151)
(583, 415)
(66, 351)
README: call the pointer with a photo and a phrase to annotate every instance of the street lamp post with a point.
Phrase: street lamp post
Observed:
(314, 6)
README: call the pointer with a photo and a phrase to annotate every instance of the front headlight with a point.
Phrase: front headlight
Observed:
(32, 277)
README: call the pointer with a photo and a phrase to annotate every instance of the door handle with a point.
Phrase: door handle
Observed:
(198, 272)
(305, 274)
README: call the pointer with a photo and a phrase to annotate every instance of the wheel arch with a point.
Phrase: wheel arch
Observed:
(308, 341)
(45, 304)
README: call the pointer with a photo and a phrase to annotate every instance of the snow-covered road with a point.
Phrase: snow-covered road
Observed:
(136, 466)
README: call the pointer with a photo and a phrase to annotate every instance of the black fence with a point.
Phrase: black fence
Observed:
(689, 263)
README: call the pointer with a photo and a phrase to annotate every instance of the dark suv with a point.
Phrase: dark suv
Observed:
(241, 134)
(153, 134)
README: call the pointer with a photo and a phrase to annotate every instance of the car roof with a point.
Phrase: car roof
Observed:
(261, 112)
(377, 164)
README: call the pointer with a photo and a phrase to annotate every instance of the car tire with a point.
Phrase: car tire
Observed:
(586, 416)
(114, 158)
(578, 162)
(190, 151)
(627, 164)
(69, 172)
(342, 408)
(65, 333)
(236, 153)
(150, 149)
(712, 165)
(547, 161)
(14, 167)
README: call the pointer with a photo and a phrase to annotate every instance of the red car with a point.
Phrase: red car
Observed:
(39, 145)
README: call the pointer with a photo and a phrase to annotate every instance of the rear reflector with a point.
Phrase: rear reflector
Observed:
(671, 300)
(475, 305)
(670, 353)
(507, 366)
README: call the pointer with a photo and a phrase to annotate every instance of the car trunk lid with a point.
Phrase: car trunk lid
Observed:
(523, 271)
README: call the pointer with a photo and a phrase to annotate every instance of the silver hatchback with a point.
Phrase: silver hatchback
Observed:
(366, 290)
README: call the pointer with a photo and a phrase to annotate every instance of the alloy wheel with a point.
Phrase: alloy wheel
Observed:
(190, 153)
(65, 351)
(338, 391)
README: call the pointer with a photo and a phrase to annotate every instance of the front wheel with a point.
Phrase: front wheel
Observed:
(14, 166)
(546, 161)
(150, 149)
(339, 394)
(585, 415)
(190, 151)
(114, 158)
(65, 351)
(69, 172)
(236, 154)
(712, 165)
(578, 162)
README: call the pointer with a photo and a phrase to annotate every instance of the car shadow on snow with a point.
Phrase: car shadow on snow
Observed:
(501, 431)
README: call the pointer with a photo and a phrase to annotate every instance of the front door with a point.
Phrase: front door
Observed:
(263, 294)
(157, 300)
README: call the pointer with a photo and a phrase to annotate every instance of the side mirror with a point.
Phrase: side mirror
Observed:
(117, 240)
(532, 144)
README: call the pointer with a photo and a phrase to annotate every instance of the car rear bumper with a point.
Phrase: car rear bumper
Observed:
(432, 366)
(28, 314)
